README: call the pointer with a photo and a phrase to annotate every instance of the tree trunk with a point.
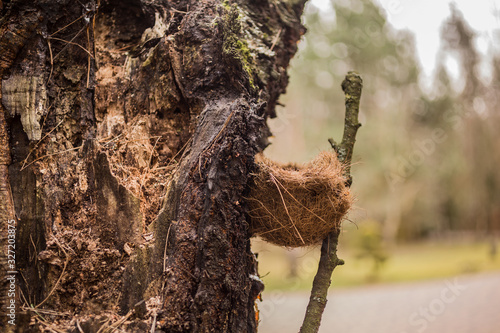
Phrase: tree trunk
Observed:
(128, 132)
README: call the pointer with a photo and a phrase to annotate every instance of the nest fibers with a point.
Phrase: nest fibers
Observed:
(293, 205)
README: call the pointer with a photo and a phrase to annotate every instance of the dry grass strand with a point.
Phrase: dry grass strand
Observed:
(298, 205)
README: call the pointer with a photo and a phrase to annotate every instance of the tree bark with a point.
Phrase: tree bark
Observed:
(132, 128)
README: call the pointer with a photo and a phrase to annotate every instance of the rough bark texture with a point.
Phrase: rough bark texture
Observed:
(132, 128)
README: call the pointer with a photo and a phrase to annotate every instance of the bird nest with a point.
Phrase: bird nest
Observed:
(298, 205)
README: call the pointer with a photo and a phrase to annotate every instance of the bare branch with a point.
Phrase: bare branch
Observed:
(352, 87)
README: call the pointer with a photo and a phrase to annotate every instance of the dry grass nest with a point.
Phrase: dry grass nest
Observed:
(298, 205)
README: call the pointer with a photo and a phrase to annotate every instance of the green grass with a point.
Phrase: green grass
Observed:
(405, 263)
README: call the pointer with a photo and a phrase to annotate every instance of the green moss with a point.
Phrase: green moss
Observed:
(246, 59)
(234, 46)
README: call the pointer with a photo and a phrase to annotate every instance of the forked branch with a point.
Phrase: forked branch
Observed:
(352, 86)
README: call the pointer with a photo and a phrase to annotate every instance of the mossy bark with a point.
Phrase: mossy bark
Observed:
(129, 152)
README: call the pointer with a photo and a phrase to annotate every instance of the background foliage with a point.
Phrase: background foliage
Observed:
(426, 162)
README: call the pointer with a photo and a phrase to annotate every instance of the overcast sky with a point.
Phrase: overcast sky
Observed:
(424, 18)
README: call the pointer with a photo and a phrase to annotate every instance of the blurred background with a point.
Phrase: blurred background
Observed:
(426, 168)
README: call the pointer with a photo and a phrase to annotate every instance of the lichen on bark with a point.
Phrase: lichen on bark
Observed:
(26, 96)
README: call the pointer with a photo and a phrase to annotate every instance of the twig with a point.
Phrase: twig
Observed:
(49, 107)
(67, 25)
(176, 154)
(22, 293)
(275, 40)
(34, 247)
(88, 58)
(178, 11)
(51, 61)
(352, 87)
(113, 327)
(72, 43)
(48, 155)
(50, 327)
(134, 140)
(60, 276)
(45, 311)
(104, 326)
(214, 140)
(165, 249)
(79, 327)
(36, 145)
(153, 325)
(220, 132)
(67, 43)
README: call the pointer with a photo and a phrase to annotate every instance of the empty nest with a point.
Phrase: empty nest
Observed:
(298, 205)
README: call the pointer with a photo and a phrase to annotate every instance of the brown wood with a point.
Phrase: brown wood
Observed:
(102, 102)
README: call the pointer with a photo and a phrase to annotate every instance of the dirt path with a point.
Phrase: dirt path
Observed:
(464, 304)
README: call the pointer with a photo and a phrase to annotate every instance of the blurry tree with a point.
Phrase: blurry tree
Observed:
(370, 245)
(467, 184)
(355, 35)
(429, 160)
